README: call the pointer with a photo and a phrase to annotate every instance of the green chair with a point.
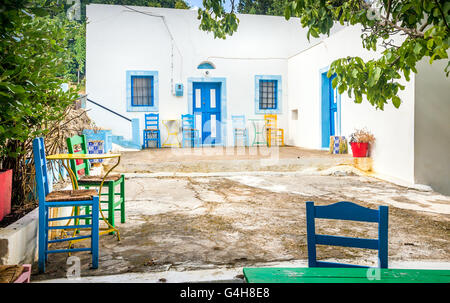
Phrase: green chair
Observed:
(81, 171)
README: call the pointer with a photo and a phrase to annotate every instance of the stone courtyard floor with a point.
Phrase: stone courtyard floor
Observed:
(184, 215)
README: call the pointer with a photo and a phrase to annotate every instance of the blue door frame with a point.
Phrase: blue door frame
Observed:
(331, 109)
(207, 104)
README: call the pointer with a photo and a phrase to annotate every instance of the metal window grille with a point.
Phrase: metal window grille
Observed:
(142, 91)
(268, 94)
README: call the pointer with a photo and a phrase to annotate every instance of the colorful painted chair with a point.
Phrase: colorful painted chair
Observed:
(346, 211)
(275, 135)
(239, 129)
(189, 132)
(112, 181)
(151, 131)
(62, 198)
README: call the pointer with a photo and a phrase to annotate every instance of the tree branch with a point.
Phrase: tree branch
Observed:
(388, 9)
(442, 14)
(408, 31)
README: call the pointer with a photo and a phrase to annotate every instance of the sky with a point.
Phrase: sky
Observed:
(198, 3)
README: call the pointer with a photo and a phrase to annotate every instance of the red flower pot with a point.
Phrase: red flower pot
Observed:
(360, 149)
(5, 192)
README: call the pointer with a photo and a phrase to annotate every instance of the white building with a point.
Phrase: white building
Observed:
(159, 49)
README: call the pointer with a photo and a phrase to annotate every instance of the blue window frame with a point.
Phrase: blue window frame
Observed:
(142, 91)
(267, 94)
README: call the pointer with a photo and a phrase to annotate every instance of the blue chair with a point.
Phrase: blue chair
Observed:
(347, 211)
(151, 131)
(239, 129)
(189, 132)
(62, 198)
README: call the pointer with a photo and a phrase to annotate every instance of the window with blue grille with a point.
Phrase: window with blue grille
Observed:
(142, 91)
(267, 94)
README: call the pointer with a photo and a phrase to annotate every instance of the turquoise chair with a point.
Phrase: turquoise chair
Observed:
(239, 129)
(189, 133)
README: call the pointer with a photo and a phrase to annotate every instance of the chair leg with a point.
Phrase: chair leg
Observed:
(122, 196)
(111, 204)
(95, 232)
(87, 210)
(43, 228)
(159, 139)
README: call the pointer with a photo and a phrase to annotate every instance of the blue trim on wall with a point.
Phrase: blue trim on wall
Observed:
(130, 107)
(206, 65)
(276, 110)
(223, 100)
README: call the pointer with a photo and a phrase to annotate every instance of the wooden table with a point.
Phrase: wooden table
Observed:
(344, 275)
(73, 178)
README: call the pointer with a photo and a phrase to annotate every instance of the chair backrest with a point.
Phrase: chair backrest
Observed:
(347, 211)
(152, 121)
(187, 122)
(78, 165)
(40, 163)
(271, 120)
(238, 121)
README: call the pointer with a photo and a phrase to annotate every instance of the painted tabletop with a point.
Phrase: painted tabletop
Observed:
(345, 275)
(82, 156)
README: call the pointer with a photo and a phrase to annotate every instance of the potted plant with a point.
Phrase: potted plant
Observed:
(360, 142)
(5, 192)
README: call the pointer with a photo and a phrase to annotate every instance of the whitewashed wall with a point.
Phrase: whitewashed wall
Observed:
(393, 152)
(119, 39)
(432, 125)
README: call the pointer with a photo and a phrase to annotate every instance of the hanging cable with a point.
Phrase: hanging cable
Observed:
(172, 42)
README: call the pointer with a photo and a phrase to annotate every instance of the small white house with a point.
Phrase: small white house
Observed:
(143, 60)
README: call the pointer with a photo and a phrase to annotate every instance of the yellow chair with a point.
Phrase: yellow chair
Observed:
(275, 135)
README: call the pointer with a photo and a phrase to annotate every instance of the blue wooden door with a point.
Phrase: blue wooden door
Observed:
(330, 110)
(207, 104)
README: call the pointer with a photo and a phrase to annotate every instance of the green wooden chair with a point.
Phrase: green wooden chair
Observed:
(81, 171)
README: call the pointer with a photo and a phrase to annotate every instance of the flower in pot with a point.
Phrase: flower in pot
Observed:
(360, 141)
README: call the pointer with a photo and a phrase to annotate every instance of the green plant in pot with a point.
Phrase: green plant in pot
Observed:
(360, 141)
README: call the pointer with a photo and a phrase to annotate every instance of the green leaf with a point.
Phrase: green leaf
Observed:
(374, 75)
(396, 101)
(287, 12)
(418, 48)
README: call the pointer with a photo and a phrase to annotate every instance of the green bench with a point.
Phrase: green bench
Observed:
(344, 275)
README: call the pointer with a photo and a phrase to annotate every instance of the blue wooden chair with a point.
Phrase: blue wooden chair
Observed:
(239, 129)
(189, 132)
(151, 131)
(62, 198)
(347, 211)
